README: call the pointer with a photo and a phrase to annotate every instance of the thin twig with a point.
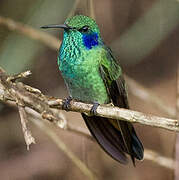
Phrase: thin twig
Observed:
(92, 13)
(19, 76)
(28, 31)
(79, 131)
(176, 151)
(158, 159)
(29, 139)
(145, 95)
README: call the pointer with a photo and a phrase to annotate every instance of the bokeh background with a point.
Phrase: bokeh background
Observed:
(144, 36)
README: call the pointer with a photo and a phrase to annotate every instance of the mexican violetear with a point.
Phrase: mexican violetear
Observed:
(92, 75)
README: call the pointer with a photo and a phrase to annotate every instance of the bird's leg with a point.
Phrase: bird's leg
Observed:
(94, 108)
(66, 103)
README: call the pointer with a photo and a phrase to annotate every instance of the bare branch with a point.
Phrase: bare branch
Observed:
(120, 114)
(29, 139)
(158, 159)
(79, 130)
(44, 104)
(176, 150)
(145, 95)
(19, 76)
(30, 32)
(42, 107)
(92, 13)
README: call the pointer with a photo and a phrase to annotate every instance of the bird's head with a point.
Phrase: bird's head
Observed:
(80, 29)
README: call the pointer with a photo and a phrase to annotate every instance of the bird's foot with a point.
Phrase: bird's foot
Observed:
(94, 108)
(66, 103)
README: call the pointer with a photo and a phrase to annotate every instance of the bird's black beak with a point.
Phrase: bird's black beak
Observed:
(62, 26)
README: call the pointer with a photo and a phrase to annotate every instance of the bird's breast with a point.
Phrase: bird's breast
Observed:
(83, 78)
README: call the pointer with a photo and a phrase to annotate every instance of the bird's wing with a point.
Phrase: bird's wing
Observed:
(108, 137)
(111, 74)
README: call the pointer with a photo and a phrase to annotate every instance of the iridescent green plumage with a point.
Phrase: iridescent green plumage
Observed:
(82, 75)
(93, 75)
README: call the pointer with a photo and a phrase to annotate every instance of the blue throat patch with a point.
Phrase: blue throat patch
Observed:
(90, 40)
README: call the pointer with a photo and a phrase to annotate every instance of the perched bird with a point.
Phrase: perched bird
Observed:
(92, 75)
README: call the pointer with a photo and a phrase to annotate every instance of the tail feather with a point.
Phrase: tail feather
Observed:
(137, 146)
(115, 143)
(107, 137)
(132, 142)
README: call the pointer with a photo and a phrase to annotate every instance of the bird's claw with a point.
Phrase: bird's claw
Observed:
(66, 103)
(94, 108)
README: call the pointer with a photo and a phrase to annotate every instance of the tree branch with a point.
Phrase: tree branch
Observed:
(44, 106)
(28, 31)
(158, 159)
(120, 114)
(176, 150)
(29, 139)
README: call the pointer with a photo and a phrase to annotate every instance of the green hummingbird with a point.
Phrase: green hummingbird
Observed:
(93, 75)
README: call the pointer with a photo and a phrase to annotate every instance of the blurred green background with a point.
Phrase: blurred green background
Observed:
(143, 34)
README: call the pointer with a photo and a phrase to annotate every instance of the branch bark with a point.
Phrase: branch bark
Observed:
(120, 114)
(29, 139)
(44, 105)
(34, 101)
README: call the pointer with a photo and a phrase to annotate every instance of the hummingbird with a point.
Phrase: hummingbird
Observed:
(93, 75)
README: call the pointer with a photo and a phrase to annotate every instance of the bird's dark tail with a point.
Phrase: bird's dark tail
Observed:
(111, 139)
(134, 146)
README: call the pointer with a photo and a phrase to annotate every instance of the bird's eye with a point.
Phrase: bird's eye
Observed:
(84, 29)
